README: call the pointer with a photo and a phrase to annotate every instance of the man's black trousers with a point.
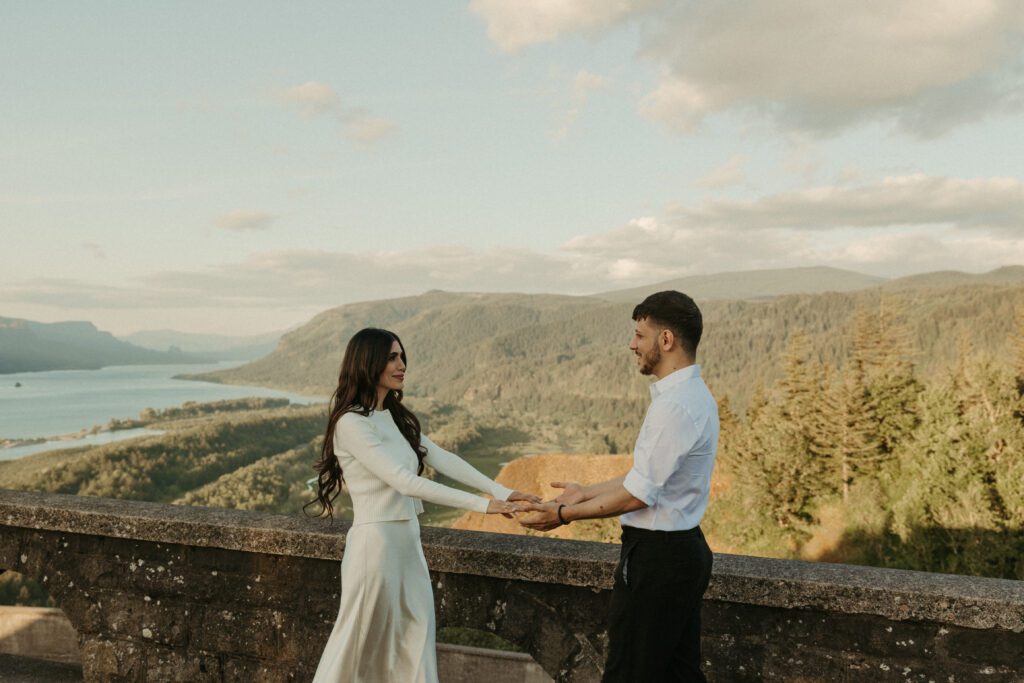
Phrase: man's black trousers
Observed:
(654, 624)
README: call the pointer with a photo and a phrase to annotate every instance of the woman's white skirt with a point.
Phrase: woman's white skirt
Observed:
(385, 629)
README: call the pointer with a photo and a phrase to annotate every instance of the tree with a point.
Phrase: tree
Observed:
(849, 436)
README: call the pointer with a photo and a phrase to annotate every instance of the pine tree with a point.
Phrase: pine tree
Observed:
(962, 510)
(884, 349)
(781, 467)
(851, 429)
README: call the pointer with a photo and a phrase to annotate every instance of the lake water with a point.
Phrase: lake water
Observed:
(66, 401)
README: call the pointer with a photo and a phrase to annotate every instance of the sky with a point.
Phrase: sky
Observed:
(238, 167)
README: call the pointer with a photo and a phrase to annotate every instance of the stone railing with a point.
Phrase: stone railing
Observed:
(165, 593)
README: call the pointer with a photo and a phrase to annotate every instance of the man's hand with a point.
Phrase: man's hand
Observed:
(541, 516)
(519, 496)
(572, 492)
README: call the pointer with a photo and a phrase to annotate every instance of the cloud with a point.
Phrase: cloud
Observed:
(728, 174)
(364, 129)
(583, 84)
(917, 250)
(818, 67)
(514, 24)
(925, 65)
(244, 219)
(650, 249)
(894, 226)
(313, 98)
(994, 204)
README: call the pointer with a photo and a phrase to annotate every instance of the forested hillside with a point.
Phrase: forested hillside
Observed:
(194, 452)
(564, 362)
(874, 463)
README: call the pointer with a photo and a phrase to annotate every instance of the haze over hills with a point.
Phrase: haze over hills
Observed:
(224, 347)
(492, 330)
(1006, 275)
(28, 346)
(754, 284)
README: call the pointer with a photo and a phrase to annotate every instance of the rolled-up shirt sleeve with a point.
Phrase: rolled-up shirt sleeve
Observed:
(668, 434)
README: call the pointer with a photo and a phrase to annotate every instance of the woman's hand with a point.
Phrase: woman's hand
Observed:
(527, 497)
(501, 507)
(572, 492)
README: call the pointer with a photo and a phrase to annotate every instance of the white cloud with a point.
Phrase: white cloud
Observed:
(926, 65)
(244, 219)
(583, 84)
(919, 250)
(728, 174)
(995, 204)
(820, 67)
(892, 227)
(357, 123)
(514, 24)
(362, 128)
(312, 98)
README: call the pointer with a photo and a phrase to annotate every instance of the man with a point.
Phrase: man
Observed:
(665, 563)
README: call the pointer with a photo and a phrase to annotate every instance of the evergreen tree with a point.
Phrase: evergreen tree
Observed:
(961, 508)
(781, 463)
(884, 350)
(850, 429)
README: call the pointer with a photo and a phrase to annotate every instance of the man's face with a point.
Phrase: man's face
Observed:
(645, 346)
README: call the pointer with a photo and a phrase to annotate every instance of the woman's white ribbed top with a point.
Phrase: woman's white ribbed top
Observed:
(379, 468)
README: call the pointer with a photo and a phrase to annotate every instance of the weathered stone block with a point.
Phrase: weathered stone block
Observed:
(1001, 648)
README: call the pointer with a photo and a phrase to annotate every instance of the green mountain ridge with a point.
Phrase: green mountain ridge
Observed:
(540, 353)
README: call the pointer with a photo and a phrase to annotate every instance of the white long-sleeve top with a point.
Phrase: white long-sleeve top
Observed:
(380, 471)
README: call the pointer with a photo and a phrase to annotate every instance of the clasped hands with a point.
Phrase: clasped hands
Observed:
(534, 513)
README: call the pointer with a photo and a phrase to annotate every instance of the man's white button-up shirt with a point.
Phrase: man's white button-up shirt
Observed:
(674, 454)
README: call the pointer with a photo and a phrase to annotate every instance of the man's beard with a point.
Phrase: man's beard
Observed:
(649, 360)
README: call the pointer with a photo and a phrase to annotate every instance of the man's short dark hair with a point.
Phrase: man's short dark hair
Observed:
(674, 311)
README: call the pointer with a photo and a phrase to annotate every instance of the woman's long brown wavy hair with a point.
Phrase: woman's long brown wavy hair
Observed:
(366, 358)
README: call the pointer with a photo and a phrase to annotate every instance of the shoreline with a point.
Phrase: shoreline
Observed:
(113, 426)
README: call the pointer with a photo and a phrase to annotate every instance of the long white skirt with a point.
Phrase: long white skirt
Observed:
(385, 629)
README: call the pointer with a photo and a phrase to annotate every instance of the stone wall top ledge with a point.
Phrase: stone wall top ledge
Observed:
(961, 600)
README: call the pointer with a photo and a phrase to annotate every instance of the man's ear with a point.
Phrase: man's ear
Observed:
(667, 339)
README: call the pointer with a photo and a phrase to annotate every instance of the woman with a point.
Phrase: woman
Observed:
(385, 628)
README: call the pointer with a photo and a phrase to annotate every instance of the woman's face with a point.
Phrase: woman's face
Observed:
(393, 377)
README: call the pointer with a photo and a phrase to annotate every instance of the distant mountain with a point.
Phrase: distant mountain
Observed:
(224, 347)
(547, 355)
(1007, 275)
(754, 284)
(28, 346)
(440, 329)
